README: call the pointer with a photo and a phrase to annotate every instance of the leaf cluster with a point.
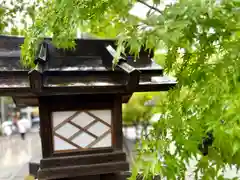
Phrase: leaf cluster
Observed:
(203, 53)
(16, 16)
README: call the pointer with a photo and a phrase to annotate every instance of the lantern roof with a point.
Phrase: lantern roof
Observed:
(87, 69)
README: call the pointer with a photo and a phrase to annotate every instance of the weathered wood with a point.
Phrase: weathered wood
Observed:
(83, 159)
(91, 177)
(46, 132)
(111, 176)
(82, 170)
(22, 101)
(80, 102)
(117, 136)
(36, 80)
(77, 152)
(126, 97)
(34, 166)
(85, 70)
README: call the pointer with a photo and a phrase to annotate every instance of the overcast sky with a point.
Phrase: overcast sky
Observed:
(141, 10)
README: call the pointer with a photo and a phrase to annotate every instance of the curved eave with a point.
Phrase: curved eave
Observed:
(87, 89)
(25, 96)
(115, 89)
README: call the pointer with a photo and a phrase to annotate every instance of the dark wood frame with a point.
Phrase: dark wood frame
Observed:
(71, 164)
(49, 104)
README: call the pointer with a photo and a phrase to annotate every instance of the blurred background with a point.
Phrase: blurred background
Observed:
(9, 110)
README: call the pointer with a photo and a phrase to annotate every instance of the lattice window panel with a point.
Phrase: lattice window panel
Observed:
(81, 129)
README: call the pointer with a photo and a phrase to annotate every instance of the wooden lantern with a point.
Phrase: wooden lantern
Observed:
(82, 132)
(80, 102)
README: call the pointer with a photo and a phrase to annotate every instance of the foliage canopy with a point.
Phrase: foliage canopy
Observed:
(202, 40)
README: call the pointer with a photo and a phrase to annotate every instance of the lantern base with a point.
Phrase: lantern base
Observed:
(112, 176)
(82, 165)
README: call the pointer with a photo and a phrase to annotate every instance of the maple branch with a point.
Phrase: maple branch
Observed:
(149, 6)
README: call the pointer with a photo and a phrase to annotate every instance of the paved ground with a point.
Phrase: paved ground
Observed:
(16, 153)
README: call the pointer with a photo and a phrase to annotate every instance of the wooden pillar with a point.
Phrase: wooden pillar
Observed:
(117, 123)
(45, 127)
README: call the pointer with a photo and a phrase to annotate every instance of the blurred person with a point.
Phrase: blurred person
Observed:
(7, 128)
(15, 119)
(23, 125)
(21, 129)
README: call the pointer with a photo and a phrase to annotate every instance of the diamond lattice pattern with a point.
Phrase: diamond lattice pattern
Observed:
(82, 129)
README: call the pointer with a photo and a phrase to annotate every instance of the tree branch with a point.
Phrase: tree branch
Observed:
(149, 6)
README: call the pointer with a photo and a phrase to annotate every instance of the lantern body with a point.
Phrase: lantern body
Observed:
(87, 129)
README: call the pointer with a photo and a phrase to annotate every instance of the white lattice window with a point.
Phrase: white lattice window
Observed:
(81, 129)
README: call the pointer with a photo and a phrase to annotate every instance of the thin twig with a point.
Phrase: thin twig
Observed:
(149, 6)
